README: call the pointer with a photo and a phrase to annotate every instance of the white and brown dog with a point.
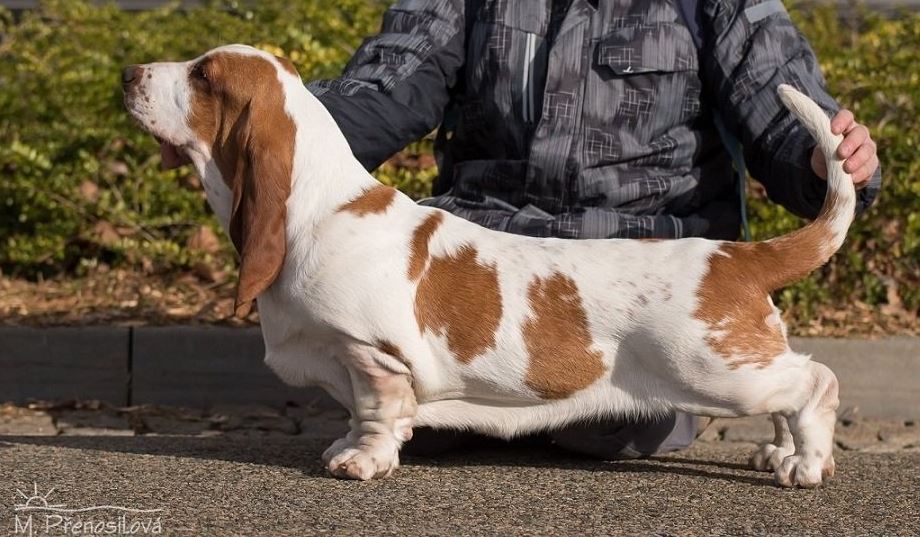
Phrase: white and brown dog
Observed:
(410, 316)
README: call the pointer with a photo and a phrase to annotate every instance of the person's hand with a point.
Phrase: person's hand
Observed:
(857, 149)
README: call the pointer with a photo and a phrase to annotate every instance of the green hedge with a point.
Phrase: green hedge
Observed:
(81, 184)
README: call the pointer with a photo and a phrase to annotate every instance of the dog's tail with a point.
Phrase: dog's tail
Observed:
(791, 257)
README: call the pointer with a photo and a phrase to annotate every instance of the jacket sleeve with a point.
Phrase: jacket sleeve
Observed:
(751, 46)
(395, 88)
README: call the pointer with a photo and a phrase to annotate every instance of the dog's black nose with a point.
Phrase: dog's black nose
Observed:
(131, 74)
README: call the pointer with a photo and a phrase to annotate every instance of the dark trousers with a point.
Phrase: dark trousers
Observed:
(625, 439)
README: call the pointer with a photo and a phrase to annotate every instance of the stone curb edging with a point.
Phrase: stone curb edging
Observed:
(181, 366)
(203, 366)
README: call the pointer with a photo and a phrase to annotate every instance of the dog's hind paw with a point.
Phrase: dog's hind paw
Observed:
(805, 472)
(769, 457)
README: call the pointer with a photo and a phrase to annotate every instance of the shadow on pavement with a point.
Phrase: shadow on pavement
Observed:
(303, 454)
(539, 452)
(292, 452)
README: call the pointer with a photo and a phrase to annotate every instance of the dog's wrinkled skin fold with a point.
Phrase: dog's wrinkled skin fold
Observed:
(410, 316)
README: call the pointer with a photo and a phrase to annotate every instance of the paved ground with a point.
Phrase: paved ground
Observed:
(274, 486)
(256, 471)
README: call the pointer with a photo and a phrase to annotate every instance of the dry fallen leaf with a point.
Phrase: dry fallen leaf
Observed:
(89, 191)
(105, 233)
(203, 239)
(207, 272)
(118, 168)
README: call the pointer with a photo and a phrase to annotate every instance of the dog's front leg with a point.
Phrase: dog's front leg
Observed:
(382, 416)
(770, 456)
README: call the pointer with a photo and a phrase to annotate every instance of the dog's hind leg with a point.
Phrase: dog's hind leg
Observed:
(382, 416)
(802, 397)
(770, 455)
(812, 428)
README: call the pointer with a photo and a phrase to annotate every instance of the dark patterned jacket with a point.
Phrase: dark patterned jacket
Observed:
(588, 119)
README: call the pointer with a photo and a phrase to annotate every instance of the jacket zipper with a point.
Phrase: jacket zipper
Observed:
(527, 102)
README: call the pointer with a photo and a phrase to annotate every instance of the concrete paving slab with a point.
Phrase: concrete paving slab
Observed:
(64, 363)
(25, 422)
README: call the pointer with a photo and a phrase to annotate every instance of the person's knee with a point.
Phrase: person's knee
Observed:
(628, 439)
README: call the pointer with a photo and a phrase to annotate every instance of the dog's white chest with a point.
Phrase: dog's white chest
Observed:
(219, 195)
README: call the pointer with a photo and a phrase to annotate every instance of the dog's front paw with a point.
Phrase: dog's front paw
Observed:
(769, 457)
(805, 472)
(363, 462)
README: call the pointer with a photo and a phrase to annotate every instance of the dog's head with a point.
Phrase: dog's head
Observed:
(225, 111)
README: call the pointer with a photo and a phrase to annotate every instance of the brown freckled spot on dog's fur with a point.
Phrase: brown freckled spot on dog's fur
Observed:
(642, 299)
(388, 347)
(558, 339)
(418, 256)
(375, 200)
(459, 297)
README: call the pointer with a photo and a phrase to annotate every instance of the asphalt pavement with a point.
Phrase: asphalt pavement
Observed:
(275, 485)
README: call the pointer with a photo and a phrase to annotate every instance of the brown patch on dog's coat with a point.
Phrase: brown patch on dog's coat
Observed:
(375, 200)
(419, 246)
(733, 297)
(558, 339)
(238, 108)
(734, 303)
(459, 297)
(735, 307)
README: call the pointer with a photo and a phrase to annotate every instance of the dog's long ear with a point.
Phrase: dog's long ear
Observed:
(261, 187)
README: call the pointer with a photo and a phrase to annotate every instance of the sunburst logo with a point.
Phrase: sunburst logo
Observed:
(36, 500)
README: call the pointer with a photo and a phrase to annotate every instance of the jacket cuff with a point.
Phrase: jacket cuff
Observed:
(802, 192)
(806, 191)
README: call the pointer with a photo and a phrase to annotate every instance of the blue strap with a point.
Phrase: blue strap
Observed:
(690, 11)
(733, 146)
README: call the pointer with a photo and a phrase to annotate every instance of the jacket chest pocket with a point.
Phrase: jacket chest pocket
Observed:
(644, 81)
(662, 47)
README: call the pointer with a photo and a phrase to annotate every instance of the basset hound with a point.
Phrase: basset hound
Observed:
(409, 316)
